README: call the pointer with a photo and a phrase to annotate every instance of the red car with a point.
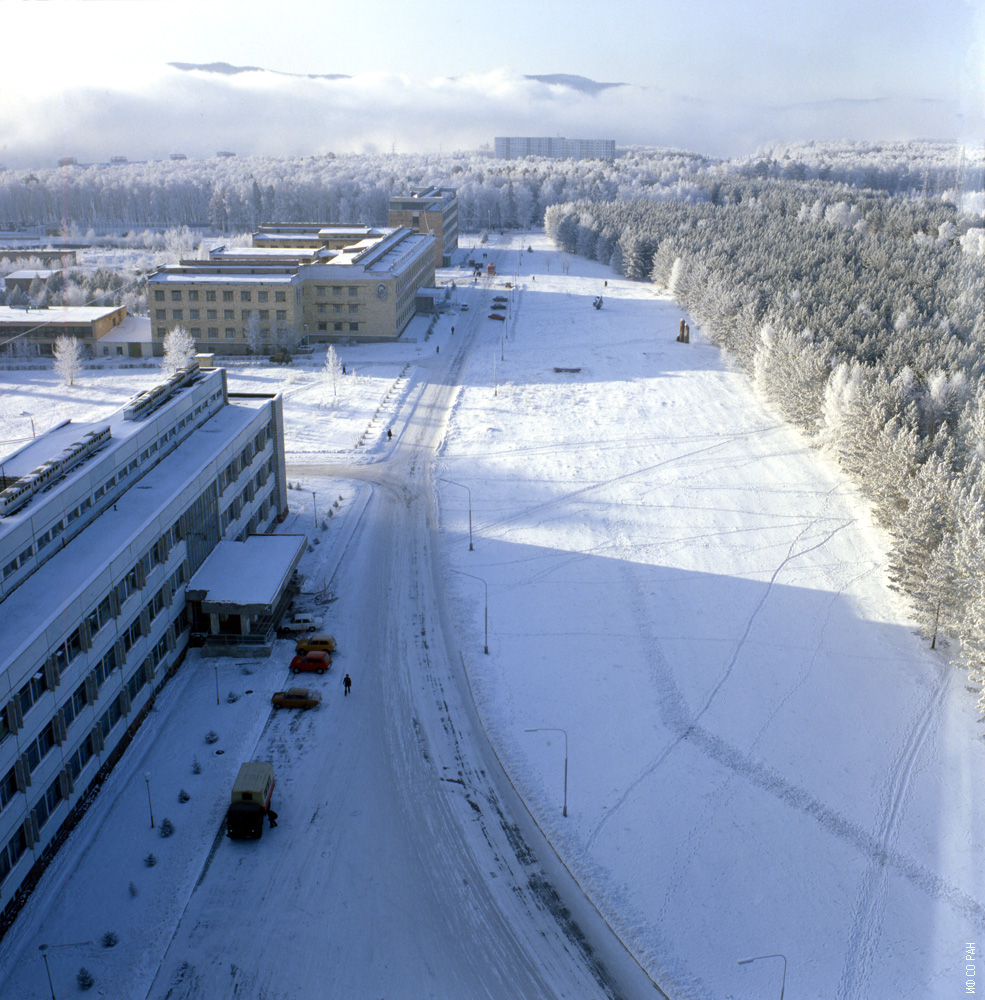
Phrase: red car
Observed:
(316, 659)
(498, 316)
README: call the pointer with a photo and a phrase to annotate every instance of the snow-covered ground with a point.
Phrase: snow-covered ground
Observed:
(691, 644)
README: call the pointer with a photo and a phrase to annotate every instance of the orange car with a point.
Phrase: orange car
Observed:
(316, 659)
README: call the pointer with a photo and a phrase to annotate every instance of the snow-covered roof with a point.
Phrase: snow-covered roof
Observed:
(250, 574)
(56, 314)
(133, 330)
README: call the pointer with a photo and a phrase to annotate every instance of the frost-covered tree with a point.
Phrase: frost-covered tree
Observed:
(254, 339)
(179, 349)
(331, 373)
(68, 358)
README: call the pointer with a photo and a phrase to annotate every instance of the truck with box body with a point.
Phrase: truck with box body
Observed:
(250, 800)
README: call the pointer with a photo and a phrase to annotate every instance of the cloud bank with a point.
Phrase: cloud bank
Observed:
(198, 110)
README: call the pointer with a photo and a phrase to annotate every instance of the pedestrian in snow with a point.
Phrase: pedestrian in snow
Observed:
(343, 369)
(453, 331)
(272, 816)
(389, 434)
(347, 683)
(437, 348)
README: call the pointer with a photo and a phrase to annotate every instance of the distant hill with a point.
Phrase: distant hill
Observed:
(227, 69)
(581, 83)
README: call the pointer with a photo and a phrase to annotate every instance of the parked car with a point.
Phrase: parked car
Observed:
(296, 698)
(317, 660)
(301, 623)
(498, 306)
(500, 298)
(465, 307)
(498, 316)
(319, 640)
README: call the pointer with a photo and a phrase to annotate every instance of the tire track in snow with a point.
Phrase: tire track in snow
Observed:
(878, 847)
(871, 897)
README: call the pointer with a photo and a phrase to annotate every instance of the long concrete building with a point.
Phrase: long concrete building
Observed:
(102, 527)
(554, 147)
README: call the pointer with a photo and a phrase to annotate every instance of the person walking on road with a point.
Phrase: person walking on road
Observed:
(347, 683)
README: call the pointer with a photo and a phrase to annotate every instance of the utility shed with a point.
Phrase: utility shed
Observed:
(237, 595)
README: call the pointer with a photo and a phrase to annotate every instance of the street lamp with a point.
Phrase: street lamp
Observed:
(43, 948)
(756, 958)
(484, 584)
(551, 729)
(216, 665)
(467, 490)
(149, 805)
(314, 507)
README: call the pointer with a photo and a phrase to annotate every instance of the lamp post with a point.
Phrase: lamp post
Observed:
(467, 490)
(756, 958)
(216, 665)
(149, 805)
(552, 729)
(314, 507)
(484, 584)
(43, 948)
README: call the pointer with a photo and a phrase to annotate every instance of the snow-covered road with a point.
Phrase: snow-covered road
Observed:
(401, 865)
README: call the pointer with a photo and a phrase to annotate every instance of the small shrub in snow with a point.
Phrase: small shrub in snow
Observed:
(183, 796)
(167, 827)
(150, 861)
(211, 737)
(311, 548)
(317, 541)
(132, 889)
(324, 523)
(84, 978)
(110, 939)
(196, 766)
(232, 697)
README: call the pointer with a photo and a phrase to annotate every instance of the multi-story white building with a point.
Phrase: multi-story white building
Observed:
(554, 147)
(101, 527)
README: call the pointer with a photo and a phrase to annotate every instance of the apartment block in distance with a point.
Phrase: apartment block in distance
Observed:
(102, 526)
(554, 147)
(322, 282)
(430, 210)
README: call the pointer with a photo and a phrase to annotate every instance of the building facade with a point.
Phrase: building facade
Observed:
(554, 147)
(101, 528)
(320, 283)
(430, 210)
(35, 330)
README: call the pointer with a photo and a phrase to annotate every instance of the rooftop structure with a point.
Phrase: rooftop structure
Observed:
(431, 210)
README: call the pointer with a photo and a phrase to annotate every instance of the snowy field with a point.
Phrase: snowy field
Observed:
(686, 603)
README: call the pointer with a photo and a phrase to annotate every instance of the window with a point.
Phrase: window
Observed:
(193, 295)
(353, 291)
(213, 332)
(230, 333)
(337, 327)
(281, 314)
(228, 313)
(193, 314)
(321, 290)
(227, 296)
(321, 308)
(196, 332)
(353, 328)
(244, 296)
(210, 296)
(176, 296)
(336, 289)
(262, 296)
(247, 313)
(211, 313)
(264, 314)
(158, 295)
(337, 309)
(10, 568)
(177, 315)
(353, 310)
(160, 314)
(280, 296)
(8, 787)
(322, 325)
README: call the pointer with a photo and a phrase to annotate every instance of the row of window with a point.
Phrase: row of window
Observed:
(227, 296)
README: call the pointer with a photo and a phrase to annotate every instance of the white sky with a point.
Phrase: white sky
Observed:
(744, 55)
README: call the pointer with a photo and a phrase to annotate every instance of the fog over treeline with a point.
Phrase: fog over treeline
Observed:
(233, 194)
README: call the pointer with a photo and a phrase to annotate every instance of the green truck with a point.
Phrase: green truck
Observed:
(250, 800)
